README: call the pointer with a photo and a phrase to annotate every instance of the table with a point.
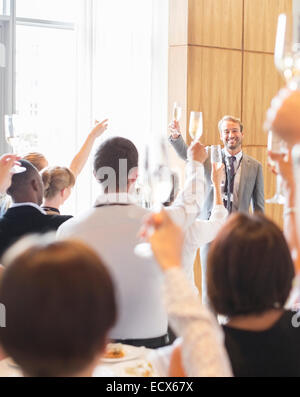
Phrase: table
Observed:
(144, 363)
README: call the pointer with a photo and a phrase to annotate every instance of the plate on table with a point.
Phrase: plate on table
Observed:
(117, 352)
(136, 368)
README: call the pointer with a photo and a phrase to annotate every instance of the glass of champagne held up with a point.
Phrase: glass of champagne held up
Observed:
(177, 112)
(196, 125)
(157, 179)
(13, 138)
(287, 48)
(216, 157)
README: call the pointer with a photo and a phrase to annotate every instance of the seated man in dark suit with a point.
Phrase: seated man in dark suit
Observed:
(25, 216)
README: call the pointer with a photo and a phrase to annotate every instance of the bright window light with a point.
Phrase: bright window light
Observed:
(57, 10)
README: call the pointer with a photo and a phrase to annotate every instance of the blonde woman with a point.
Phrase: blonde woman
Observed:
(58, 183)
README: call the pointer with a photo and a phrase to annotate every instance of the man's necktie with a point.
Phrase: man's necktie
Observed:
(230, 182)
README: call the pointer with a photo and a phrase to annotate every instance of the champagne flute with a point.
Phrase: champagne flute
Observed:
(158, 182)
(177, 112)
(13, 138)
(276, 145)
(287, 48)
(196, 125)
(216, 157)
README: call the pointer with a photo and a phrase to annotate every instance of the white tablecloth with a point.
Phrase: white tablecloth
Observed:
(147, 362)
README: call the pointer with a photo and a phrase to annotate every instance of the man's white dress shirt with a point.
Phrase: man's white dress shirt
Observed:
(112, 230)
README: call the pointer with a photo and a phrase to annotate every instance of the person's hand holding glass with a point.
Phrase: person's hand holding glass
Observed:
(7, 164)
(156, 181)
(12, 136)
(216, 158)
(174, 125)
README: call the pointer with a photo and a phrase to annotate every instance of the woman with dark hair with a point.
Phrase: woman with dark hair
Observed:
(250, 274)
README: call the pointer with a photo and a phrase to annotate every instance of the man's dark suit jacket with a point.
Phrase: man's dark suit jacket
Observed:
(19, 221)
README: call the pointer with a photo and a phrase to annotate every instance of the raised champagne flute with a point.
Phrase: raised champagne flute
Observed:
(216, 157)
(12, 137)
(158, 182)
(287, 48)
(177, 112)
(196, 125)
(276, 145)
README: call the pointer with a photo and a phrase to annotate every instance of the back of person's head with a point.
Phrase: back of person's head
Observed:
(37, 159)
(56, 179)
(27, 186)
(250, 269)
(60, 306)
(114, 163)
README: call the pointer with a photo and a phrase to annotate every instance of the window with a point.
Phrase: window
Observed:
(54, 10)
(81, 60)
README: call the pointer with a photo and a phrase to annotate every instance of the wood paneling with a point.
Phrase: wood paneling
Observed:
(237, 78)
(261, 81)
(273, 211)
(216, 23)
(178, 22)
(214, 86)
(261, 22)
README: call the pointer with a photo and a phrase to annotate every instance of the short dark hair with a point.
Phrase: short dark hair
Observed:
(60, 305)
(250, 269)
(109, 155)
(21, 182)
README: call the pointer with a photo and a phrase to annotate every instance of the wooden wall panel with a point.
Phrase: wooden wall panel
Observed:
(261, 22)
(178, 22)
(261, 81)
(274, 211)
(177, 92)
(216, 23)
(214, 86)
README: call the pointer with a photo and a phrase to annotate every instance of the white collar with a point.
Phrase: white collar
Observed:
(15, 205)
(115, 198)
(238, 156)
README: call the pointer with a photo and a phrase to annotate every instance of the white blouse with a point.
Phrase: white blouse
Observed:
(203, 350)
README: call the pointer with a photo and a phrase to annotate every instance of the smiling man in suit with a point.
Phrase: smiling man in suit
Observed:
(244, 177)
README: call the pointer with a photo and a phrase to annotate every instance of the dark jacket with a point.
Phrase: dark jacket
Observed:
(20, 221)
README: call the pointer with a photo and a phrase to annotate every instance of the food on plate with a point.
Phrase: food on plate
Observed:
(142, 369)
(114, 350)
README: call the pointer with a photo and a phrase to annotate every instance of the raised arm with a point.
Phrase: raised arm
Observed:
(202, 232)
(189, 202)
(289, 214)
(81, 157)
(176, 140)
(7, 161)
(283, 115)
(203, 350)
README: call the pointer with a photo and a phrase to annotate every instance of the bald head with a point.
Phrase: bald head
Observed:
(27, 186)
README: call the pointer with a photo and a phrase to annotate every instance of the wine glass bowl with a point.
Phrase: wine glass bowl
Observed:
(287, 49)
(12, 136)
(177, 112)
(216, 158)
(157, 182)
(196, 125)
